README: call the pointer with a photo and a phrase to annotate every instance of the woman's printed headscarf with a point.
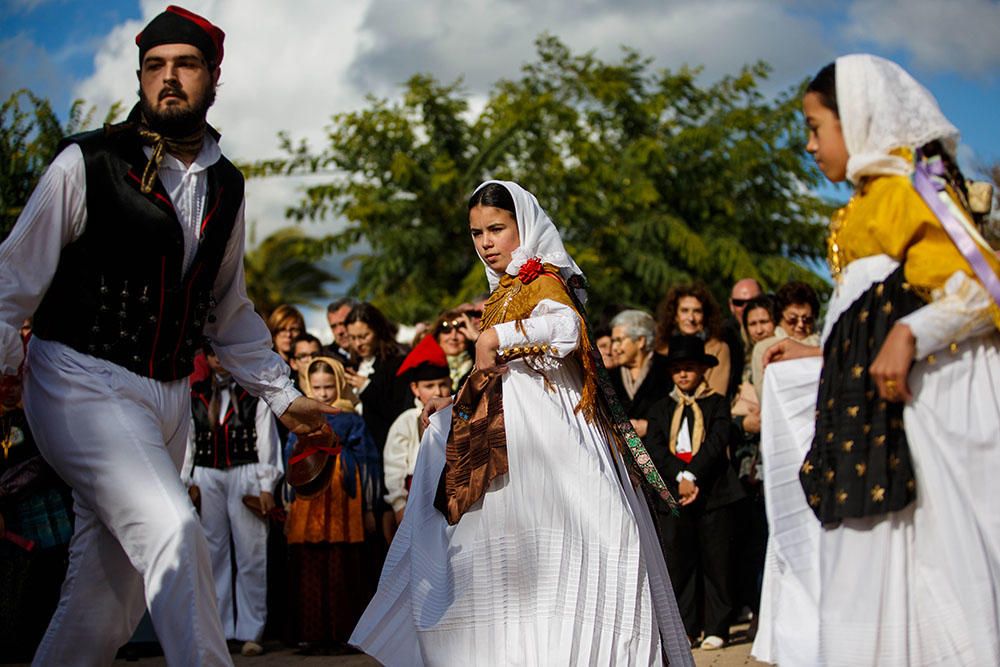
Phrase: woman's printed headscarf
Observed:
(539, 238)
(881, 108)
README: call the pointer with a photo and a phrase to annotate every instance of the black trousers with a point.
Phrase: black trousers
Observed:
(698, 547)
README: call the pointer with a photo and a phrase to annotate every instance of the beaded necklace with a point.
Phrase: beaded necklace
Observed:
(834, 250)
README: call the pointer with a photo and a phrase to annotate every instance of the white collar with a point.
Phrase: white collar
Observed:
(209, 154)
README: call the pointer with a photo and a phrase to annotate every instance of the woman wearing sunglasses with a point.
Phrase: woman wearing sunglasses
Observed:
(798, 308)
(457, 336)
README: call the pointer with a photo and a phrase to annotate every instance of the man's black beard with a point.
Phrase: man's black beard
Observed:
(177, 123)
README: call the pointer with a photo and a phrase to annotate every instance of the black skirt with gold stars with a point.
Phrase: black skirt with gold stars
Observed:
(859, 463)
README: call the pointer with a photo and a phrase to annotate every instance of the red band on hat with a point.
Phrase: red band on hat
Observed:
(213, 31)
(178, 25)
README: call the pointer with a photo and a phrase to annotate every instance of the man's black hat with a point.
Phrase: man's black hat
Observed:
(177, 25)
(689, 348)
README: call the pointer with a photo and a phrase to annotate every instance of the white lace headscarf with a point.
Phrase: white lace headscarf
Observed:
(539, 238)
(881, 108)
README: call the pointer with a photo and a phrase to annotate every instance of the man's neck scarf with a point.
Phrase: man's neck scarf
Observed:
(698, 430)
(184, 147)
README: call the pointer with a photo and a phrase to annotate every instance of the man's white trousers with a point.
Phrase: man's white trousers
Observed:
(223, 514)
(118, 440)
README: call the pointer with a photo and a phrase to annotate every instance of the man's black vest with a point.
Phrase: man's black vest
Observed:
(234, 440)
(119, 292)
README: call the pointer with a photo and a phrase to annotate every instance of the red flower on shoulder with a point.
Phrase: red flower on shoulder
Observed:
(531, 270)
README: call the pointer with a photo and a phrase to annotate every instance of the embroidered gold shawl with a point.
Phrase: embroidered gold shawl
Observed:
(476, 452)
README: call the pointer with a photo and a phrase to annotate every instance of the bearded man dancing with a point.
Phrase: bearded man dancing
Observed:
(129, 251)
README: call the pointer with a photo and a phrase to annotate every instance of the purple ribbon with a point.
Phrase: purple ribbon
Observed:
(927, 179)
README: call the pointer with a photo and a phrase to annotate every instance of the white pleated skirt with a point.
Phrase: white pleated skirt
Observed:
(916, 587)
(558, 564)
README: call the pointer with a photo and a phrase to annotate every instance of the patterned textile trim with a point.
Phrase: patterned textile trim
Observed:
(618, 417)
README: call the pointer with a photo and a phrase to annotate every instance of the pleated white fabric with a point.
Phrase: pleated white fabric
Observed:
(558, 564)
(788, 629)
(916, 587)
(930, 575)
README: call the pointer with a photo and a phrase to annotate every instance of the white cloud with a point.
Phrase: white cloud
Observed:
(956, 36)
(284, 68)
(486, 41)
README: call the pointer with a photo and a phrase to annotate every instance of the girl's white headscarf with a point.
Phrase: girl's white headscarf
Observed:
(881, 108)
(539, 238)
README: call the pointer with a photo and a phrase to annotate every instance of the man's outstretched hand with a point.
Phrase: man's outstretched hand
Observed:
(305, 416)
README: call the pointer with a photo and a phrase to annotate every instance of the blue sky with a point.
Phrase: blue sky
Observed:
(51, 46)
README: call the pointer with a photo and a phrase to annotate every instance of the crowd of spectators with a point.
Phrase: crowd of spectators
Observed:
(688, 377)
(715, 548)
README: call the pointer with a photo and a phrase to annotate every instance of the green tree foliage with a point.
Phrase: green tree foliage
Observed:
(283, 269)
(651, 176)
(29, 135)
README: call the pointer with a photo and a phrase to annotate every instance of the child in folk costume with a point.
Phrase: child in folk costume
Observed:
(886, 543)
(426, 367)
(233, 452)
(688, 438)
(326, 531)
(524, 540)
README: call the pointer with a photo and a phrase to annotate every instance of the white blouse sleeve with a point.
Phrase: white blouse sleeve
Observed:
(238, 335)
(394, 461)
(55, 216)
(553, 327)
(268, 449)
(960, 310)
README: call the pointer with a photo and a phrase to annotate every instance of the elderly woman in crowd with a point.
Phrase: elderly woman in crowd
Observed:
(641, 378)
(691, 310)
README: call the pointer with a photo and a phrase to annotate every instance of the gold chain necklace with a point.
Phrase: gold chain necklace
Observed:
(834, 250)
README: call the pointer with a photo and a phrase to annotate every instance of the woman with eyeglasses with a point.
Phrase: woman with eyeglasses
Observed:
(454, 332)
(285, 324)
(797, 308)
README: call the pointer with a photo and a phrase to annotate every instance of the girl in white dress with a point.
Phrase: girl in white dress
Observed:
(902, 458)
(554, 561)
